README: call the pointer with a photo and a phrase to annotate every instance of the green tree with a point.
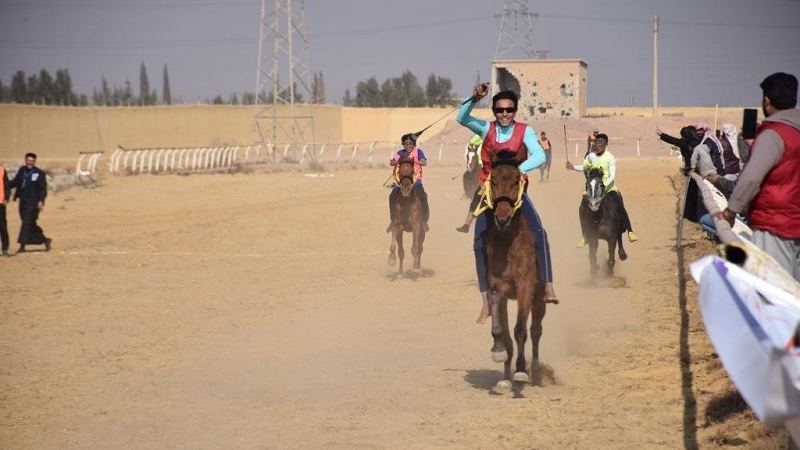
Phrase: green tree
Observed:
(5, 93)
(438, 91)
(19, 88)
(166, 92)
(63, 89)
(368, 94)
(318, 89)
(144, 87)
(347, 100)
(248, 98)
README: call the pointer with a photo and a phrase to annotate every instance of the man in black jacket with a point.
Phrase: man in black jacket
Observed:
(31, 190)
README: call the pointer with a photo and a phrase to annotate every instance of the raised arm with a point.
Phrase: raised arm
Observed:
(536, 156)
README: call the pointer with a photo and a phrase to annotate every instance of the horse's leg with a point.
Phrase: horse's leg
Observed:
(401, 253)
(593, 268)
(392, 249)
(499, 352)
(506, 336)
(416, 247)
(622, 255)
(539, 308)
(524, 299)
(612, 247)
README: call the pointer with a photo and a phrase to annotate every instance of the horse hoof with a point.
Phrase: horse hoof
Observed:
(623, 256)
(503, 385)
(500, 357)
(522, 377)
(392, 260)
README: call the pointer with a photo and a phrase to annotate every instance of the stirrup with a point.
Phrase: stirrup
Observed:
(632, 236)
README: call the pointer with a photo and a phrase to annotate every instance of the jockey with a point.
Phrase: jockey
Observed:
(504, 133)
(603, 159)
(410, 150)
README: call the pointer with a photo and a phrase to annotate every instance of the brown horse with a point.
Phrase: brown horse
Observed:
(408, 216)
(512, 269)
(600, 218)
(472, 175)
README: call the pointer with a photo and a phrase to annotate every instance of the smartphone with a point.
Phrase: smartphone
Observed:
(749, 121)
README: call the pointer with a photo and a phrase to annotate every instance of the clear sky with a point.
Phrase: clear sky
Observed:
(710, 51)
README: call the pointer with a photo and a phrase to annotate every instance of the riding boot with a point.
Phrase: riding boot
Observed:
(392, 200)
(626, 220)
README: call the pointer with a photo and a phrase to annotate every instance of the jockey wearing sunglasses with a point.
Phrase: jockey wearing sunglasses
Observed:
(504, 133)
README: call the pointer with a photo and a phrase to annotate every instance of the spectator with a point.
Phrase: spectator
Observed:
(686, 144)
(31, 190)
(768, 190)
(731, 159)
(5, 189)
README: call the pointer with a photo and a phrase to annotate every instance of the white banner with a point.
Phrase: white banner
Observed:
(753, 325)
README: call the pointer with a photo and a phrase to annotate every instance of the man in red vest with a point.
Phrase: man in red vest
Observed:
(768, 189)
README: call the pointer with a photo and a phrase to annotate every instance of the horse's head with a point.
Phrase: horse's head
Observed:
(595, 189)
(507, 185)
(405, 175)
(472, 157)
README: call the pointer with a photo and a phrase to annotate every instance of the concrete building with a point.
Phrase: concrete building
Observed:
(548, 88)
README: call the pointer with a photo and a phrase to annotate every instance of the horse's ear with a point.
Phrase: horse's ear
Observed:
(492, 154)
(586, 172)
(600, 169)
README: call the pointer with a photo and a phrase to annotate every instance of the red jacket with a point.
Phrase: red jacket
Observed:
(513, 145)
(776, 207)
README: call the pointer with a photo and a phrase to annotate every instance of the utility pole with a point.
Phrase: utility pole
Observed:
(517, 35)
(280, 116)
(655, 66)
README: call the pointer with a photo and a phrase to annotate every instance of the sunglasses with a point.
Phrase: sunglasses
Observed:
(506, 110)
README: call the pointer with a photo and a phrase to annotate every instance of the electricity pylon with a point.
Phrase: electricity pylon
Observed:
(281, 116)
(516, 30)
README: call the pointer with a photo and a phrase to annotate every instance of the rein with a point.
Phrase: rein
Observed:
(488, 202)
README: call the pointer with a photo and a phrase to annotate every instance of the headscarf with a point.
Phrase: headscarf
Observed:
(729, 130)
(709, 134)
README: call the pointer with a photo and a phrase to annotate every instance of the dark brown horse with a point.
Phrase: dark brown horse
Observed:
(472, 175)
(408, 217)
(601, 219)
(512, 269)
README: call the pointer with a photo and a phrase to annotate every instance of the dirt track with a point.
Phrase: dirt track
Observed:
(256, 311)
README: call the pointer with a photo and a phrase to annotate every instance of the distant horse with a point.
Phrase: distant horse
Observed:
(472, 175)
(548, 158)
(600, 219)
(511, 267)
(408, 216)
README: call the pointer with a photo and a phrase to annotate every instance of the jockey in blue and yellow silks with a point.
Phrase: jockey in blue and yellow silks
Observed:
(410, 150)
(504, 133)
(603, 159)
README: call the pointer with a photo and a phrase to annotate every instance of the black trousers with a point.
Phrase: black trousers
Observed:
(29, 232)
(3, 227)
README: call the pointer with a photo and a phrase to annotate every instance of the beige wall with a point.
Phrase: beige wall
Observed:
(62, 133)
(59, 134)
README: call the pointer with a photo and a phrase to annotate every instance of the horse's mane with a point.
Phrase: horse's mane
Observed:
(505, 158)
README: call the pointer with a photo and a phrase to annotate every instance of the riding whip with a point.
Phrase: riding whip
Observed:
(419, 133)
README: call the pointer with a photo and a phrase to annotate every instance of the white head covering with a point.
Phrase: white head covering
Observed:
(729, 131)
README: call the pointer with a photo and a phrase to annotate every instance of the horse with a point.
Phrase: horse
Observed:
(511, 268)
(472, 175)
(408, 216)
(600, 219)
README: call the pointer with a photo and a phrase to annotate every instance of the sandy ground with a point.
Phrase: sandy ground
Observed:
(256, 311)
